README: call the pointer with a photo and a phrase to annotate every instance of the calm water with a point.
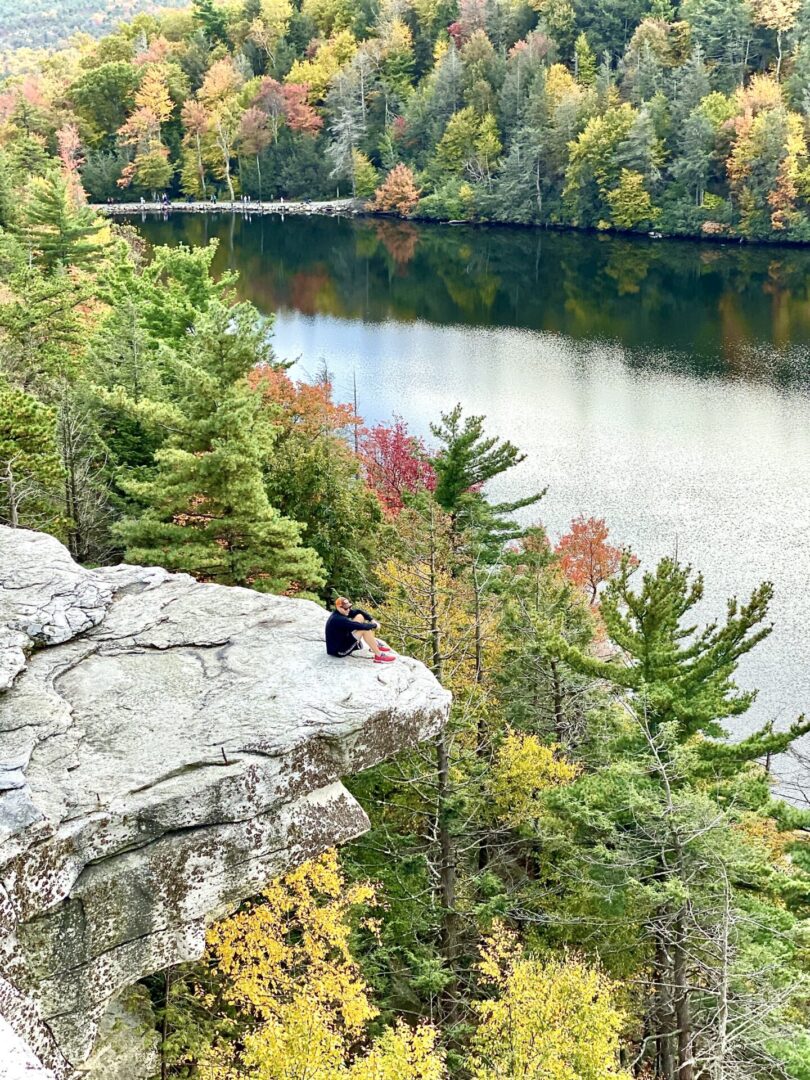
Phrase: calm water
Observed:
(662, 385)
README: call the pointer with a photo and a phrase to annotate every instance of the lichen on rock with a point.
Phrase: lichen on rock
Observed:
(166, 747)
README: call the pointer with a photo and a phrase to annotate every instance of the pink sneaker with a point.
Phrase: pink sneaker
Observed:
(384, 658)
(385, 648)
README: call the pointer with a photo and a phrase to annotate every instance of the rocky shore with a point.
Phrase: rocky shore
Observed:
(328, 207)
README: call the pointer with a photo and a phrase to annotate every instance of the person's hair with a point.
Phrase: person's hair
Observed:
(342, 601)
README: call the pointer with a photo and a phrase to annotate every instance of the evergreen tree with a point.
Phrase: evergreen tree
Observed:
(30, 468)
(211, 18)
(659, 812)
(692, 86)
(692, 166)
(584, 61)
(56, 230)
(205, 506)
(206, 510)
(466, 460)
(681, 678)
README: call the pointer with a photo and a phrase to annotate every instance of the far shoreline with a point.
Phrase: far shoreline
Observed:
(327, 207)
(353, 208)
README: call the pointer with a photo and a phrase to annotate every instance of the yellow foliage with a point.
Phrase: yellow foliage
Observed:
(287, 965)
(760, 93)
(764, 832)
(402, 1053)
(397, 38)
(523, 769)
(318, 72)
(222, 81)
(560, 84)
(271, 24)
(298, 1043)
(776, 14)
(153, 94)
(329, 15)
(551, 1019)
(298, 936)
(439, 50)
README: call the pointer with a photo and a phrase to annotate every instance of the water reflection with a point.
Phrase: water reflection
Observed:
(728, 310)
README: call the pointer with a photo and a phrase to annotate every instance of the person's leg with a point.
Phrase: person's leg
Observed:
(367, 636)
(383, 645)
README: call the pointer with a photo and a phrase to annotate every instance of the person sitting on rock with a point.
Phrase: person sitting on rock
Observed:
(349, 628)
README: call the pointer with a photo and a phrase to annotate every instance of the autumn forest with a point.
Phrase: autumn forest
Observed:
(582, 878)
(684, 119)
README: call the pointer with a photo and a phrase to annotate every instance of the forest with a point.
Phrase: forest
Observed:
(635, 115)
(580, 879)
(42, 24)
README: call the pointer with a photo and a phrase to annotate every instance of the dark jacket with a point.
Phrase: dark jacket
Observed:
(339, 633)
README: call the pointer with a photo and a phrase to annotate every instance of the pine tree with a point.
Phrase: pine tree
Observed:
(206, 509)
(466, 461)
(30, 469)
(663, 807)
(681, 679)
(56, 230)
(211, 17)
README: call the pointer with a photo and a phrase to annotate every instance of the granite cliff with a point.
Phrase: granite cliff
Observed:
(166, 747)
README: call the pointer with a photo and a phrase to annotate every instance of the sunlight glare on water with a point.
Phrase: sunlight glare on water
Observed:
(715, 470)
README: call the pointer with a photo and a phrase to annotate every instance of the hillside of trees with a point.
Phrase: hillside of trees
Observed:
(49, 24)
(580, 879)
(682, 118)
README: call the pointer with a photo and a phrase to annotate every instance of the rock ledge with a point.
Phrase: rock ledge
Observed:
(166, 747)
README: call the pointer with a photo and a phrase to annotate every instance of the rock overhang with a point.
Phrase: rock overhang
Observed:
(166, 747)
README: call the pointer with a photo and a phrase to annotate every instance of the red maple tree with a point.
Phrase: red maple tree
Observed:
(586, 557)
(395, 463)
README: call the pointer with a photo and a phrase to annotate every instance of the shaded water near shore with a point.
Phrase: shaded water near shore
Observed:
(662, 385)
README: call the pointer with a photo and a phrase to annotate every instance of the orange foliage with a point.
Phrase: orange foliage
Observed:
(400, 240)
(302, 406)
(586, 558)
(398, 193)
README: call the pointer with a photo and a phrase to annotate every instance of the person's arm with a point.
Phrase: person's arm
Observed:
(359, 611)
(352, 624)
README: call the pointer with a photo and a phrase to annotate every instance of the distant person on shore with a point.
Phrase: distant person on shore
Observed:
(143, 201)
(348, 629)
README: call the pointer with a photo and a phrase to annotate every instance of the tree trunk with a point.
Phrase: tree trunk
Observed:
(662, 1022)
(680, 991)
(226, 162)
(557, 698)
(725, 961)
(200, 166)
(71, 494)
(13, 516)
(446, 868)
(447, 876)
(164, 1067)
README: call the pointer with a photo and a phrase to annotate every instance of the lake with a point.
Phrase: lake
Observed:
(662, 385)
